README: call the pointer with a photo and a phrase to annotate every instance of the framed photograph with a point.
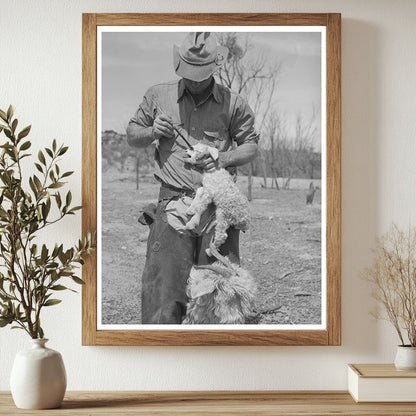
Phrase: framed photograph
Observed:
(211, 172)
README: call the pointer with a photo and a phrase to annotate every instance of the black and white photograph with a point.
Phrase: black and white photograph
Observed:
(211, 149)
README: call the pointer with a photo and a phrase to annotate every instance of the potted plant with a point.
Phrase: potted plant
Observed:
(393, 277)
(31, 273)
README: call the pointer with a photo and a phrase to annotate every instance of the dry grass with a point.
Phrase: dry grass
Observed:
(282, 249)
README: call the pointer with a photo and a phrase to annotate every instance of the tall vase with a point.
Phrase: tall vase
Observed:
(38, 378)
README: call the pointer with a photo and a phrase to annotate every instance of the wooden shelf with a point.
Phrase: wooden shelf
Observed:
(318, 403)
(267, 403)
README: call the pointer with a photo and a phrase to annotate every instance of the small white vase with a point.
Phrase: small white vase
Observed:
(405, 358)
(38, 378)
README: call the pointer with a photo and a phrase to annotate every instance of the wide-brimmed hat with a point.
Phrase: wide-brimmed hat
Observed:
(199, 56)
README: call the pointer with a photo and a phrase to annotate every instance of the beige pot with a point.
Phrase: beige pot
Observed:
(38, 378)
(405, 358)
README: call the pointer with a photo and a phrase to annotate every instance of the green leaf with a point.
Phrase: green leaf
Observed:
(75, 209)
(63, 150)
(5, 321)
(24, 132)
(51, 302)
(33, 227)
(10, 112)
(39, 167)
(76, 279)
(40, 332)
(56, 185)
(62, 257)
(14, 125)
(33, 187)
(58, 199)
(68, 199)
(49, 152)
(45, 211)
(55, 251)
(3, 115)
(59, 287)
(44, 253)
(54, 145)
(37, 183)
(25, 145)
(67, 174)
(34, 249)
(8, 133)
(4, 298)
(41, 157)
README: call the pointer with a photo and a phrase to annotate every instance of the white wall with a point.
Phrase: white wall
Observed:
(40, 73)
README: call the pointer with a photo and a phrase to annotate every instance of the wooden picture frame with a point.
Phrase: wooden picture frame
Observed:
(331, 334)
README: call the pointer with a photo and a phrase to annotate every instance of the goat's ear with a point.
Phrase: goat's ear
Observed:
(201, 287)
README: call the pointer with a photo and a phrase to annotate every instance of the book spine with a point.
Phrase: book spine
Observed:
(353, 381)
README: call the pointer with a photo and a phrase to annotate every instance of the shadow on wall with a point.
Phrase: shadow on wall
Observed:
(360, 180)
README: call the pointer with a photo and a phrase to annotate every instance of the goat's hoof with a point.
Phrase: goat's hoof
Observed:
(208, 251)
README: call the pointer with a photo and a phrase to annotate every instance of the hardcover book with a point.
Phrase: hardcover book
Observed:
(381, 383)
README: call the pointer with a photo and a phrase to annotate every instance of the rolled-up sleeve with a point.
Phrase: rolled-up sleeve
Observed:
(144, 116)
(242, 123)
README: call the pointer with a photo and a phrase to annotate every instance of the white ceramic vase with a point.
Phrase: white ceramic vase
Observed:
(38, 378)
(405, 358)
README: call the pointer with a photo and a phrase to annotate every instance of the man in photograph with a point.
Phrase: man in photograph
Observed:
(175, 116)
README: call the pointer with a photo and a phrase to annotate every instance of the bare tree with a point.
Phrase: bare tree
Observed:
(298, 156)
(306, 132)
(287, 156)
(275, 135)
(253, 76)
(116, 153)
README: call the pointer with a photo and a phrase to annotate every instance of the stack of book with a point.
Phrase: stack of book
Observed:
(381, 383)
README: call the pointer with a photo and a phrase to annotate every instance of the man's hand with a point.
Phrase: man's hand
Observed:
(163, 127)
(206, 163)
(203, 162)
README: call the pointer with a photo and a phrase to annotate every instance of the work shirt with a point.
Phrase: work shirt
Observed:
(221, 119)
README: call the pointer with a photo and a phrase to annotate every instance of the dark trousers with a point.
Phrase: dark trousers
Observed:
(170, 256)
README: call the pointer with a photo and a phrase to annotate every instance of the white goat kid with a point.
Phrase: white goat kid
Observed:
(218, 187)
(219, 293)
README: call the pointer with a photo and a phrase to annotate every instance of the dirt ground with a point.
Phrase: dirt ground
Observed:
(282, 249)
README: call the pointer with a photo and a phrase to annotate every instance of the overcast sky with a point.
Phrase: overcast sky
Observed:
(133, 61)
